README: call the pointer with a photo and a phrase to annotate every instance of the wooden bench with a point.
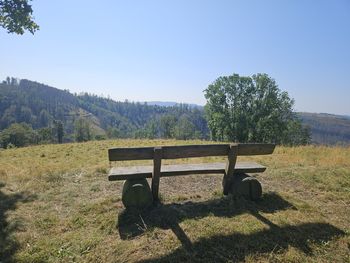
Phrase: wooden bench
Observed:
(229, 169)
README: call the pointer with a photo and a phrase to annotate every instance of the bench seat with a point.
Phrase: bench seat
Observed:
(137, 172)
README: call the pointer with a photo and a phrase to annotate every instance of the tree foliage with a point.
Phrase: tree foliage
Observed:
(185, 129)
(45, 135)
(58, 130)
(16, 16)
(167, 126)
(252, 109)
(18, 134)
(82, 130)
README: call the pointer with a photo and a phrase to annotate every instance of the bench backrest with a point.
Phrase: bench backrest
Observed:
(188, 151)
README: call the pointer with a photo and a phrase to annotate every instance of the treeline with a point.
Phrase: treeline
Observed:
(327, 128)
(50, 115)
(22, 134)
(35, 104)
(139, 120)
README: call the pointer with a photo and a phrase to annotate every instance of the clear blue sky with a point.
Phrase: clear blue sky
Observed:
(171, 50)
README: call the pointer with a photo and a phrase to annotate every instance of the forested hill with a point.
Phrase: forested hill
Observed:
(327, 128)
(42, 106)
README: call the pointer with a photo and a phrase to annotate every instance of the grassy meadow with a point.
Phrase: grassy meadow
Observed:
(56, 205)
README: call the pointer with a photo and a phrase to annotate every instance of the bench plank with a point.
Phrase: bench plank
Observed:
(136, 172)
(128, 154)
(188, 151)
(255, 148)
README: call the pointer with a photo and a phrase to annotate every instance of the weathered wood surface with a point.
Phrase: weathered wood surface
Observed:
(157, 162)
(255, 148)
(188, 151)
(230, 167)
(126, 154)
(134, 172)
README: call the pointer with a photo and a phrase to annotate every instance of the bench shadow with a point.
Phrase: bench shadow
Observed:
(8, 202)
(133, 223)
(223, 248)
(235, 247)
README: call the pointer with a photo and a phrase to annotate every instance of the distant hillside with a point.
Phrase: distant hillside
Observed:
(327, 128)
(40, 105)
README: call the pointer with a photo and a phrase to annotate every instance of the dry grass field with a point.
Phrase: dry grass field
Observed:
(56, 205)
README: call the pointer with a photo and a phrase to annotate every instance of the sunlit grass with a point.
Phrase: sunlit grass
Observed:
(58, 206)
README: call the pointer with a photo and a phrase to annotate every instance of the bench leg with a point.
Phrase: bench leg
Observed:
(157, 162)
(244, 185)
(136, 194)
(226, 184)
(155, 188)
(230, 167)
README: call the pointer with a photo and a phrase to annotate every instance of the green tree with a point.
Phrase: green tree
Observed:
(59, 131)
(251, 109)
(9, 116)
(25, 115)
(82, 130)
(113, 132)
(44, 118)
(184, 129)
(16, 16)
(18, 134)
(167, 126)
(151, 130)
(45, 135)
(296, 133)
